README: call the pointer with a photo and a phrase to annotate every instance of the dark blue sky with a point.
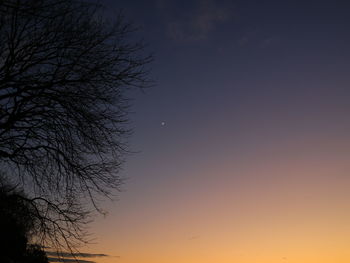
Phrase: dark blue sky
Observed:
(215, 60)
(228, 73)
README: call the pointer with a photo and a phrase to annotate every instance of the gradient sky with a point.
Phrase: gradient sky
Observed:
(252, 164)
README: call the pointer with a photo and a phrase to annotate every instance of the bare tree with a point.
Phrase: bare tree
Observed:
(64, 72)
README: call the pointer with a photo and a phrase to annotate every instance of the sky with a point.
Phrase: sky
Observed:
(243, 144)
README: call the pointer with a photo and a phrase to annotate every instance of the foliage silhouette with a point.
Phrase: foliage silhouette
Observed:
(17, 224)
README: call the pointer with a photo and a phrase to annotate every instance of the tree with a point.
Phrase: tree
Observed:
(17, 224)
(64, 74)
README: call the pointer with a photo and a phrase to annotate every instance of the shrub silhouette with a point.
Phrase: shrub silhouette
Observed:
(16, 226)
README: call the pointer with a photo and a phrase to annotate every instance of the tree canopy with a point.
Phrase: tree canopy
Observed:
(64, 74)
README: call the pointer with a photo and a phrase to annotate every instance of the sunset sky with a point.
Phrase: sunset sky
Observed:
(243, 144)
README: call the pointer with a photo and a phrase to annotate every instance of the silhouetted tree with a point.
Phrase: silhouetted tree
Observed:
(64, 72)
(17, 225)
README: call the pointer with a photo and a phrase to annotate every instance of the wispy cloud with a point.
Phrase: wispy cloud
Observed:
(80, 255)
(64, 257)
(257, 39)
(197, 23)
(193, 237)
(268, 41)
(68, 260)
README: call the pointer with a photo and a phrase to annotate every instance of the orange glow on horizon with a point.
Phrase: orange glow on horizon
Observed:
(292, 207)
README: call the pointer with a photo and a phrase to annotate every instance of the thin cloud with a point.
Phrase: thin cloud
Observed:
(199, 22)
(194, 237)
(268, 41)
(257, 39)
(65, 257)
(68, 260)
(80, 255)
